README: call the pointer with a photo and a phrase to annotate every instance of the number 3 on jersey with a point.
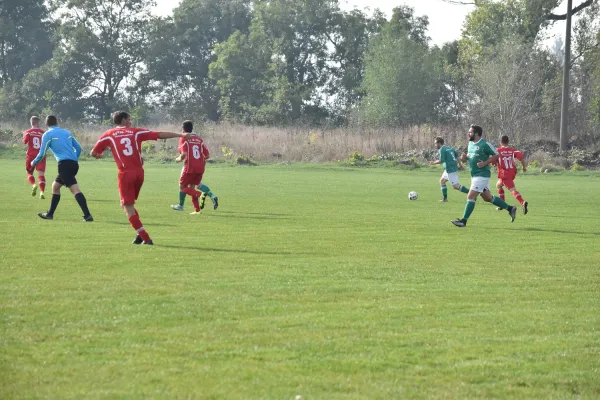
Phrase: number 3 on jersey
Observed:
(127, 150)
(196, 152)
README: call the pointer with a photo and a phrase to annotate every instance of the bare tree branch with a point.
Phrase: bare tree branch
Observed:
(555, 17)
(459, 3)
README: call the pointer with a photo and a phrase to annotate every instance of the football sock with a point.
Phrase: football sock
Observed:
(444, 192)
(139, 228)
(31, 179)
(469, 207)
(497, 201)
(82, 204)
(501, 193)
(196, 204)
(54, 203)
(181, 198)
(463, 189)
(42, 180)
(206, 189)
(518, 197)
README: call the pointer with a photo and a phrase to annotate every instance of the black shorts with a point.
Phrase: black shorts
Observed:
(67, 169)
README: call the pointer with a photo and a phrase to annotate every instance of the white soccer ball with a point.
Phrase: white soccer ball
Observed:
(413, 196)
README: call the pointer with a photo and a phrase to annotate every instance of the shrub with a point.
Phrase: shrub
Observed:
(243, 159)
(577, 167)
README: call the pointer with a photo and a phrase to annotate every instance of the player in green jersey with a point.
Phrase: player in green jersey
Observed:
(448, 157)
(481, 155)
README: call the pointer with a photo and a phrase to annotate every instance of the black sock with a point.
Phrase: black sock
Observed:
(83, 204)
(53, 204)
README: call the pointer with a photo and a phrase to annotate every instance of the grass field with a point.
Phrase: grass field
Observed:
(324, 282)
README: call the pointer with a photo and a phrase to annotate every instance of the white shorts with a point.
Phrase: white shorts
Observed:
(452, 177)
(479, 184)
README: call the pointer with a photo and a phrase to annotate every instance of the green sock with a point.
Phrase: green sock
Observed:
(463, 189)
(497, 201)
(205, 189)
(469, 209)
(181, 198)
(444, 192)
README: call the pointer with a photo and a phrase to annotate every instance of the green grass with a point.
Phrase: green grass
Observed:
(314, 280)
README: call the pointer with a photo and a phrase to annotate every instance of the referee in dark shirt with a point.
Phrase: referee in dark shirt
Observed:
(66, 150)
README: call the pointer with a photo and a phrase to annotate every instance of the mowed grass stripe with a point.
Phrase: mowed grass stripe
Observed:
(314, 280)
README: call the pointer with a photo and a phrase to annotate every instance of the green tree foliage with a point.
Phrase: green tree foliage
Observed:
(108, 39)
(182, 49)
(403, 83)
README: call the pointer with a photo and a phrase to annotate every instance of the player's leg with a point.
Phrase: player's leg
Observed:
(179, 206)
(190, 182)
(478, 187)
(68, 173)
(41, 170)
(453, 178)
(56, 185)
(30, 177)
(500, 187)
(518, 196)
(130, 184)
(443, 187)
(498, 202)
(207, 192)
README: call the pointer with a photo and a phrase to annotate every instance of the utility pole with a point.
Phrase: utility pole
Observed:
(564, 110)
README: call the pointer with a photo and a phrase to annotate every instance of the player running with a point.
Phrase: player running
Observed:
(481, 155)
(125, 143)
(66, 150)
(507, 171)
(33, 139)
(448, 157)
(193, 153)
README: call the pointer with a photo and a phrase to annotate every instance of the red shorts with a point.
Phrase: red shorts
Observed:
(509, 183)
(41, 166)
(190, 178)
(130, 183)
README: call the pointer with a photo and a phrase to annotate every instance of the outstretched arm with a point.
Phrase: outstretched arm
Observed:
(169, 135)
(76, 146)
(43, 149)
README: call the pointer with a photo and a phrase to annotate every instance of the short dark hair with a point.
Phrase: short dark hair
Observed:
(504, 139)
(477, 130)
(119, 116)
(188, 126)
(439, 140)
(51, 120)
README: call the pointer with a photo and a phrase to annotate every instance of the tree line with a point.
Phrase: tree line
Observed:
(283, 62)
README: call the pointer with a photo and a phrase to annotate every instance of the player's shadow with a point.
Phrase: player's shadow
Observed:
(272, 253)
(554, 231)
(242, 216)
(125, 223)
(102, 201)
(254, 213)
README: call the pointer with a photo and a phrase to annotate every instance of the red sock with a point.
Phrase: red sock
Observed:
(518, 197)
(139, 228)
(194, 194)
(42, 180)
(196, 203)
(501, 193)
(31, 179)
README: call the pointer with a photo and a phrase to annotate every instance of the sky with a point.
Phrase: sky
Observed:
(445, 19)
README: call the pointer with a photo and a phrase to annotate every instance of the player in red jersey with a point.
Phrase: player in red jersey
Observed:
(33, 139)
(125, 143)
(194, 153)
(507, 171)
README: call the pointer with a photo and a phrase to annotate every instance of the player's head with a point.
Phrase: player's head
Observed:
(475, 133)
(51, 121)
(439, 142)
(122, 118)
(187, 126)
(35, 121)
(504, 140)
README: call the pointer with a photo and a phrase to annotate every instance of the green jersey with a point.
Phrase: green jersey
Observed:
(448, 158)
(480, 151)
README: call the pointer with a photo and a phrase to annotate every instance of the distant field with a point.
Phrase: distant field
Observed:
(324, 282)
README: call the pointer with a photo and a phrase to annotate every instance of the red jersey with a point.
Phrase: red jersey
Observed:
(33, 138)
(506, 162)
(126, 145)
(196, 154)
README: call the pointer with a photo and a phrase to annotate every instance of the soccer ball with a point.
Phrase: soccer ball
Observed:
(413, 196)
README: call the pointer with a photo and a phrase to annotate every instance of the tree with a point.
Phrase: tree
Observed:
(402, 80)
(183, 47)
(109, 40)
(25, 38)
